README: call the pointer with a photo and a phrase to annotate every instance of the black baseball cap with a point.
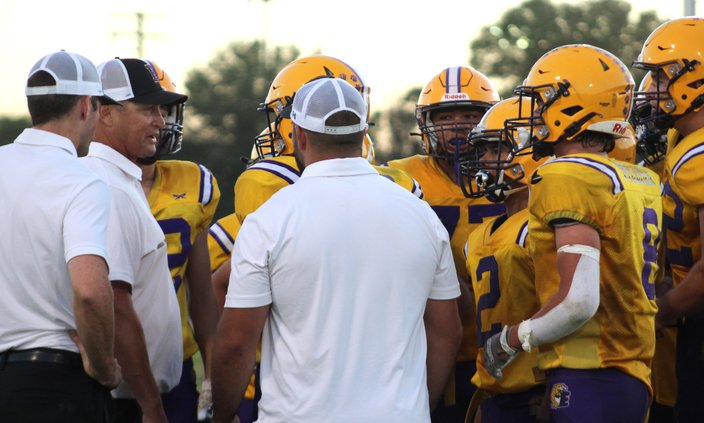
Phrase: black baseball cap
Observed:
(135, 80)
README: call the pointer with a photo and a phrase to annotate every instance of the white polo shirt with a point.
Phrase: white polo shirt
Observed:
(53, 209)
(347, 261)
(137, 248)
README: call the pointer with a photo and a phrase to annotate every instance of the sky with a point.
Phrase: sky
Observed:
(394, 44)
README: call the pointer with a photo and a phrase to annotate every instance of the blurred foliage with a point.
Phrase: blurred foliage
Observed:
(395, 126)
(505, 51)
(11, 127)
(221, 114)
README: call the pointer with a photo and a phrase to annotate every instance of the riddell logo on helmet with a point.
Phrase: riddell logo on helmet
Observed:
(618, 129)
(455, 96)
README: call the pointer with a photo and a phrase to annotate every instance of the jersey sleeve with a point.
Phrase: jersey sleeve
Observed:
(221, 240)
(401, 178)
(568, 191)
(687, 175)
(253, 188)
(209, 196)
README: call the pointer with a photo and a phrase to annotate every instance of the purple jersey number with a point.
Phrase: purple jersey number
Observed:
(650, 250)
(181, 227)
(490, 299)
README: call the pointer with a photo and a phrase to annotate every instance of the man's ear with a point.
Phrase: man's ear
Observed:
(85, 106)
(106, 114)
(301, 140)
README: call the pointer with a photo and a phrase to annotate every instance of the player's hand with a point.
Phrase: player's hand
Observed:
(498, 353)
(205, 402)
(110, 375)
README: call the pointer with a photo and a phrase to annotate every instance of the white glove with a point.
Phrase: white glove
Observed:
(498, 353)
(205, 402)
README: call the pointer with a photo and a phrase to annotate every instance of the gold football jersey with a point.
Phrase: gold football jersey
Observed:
(183, 200)
(221, 240)
(264, 178)
(459, 214)
(682, 196)
(401, 178)
(664, 377)
(622, 202)
(502, 280)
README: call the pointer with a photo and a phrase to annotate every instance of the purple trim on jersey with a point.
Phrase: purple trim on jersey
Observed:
(205, 196)
(280, 175)
(607, 170)
(217, 238)
(522, 235)
(264, 165)
(284, 165)
(693, 152)
(416, 190)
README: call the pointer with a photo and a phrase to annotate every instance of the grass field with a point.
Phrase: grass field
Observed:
(198, 366)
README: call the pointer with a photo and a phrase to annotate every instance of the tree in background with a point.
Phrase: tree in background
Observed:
(221, 114)
(506, 50)
(11, 127)
(393, 129)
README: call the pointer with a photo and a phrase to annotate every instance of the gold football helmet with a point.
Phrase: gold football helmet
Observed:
(625, 147)
(171, 136)
(575, 88)
(279, 100)
(460, 87)
(265, 151)
(498, 163)
(674, 55)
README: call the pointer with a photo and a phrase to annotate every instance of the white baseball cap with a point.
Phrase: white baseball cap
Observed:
(73, 75)
(319, 99)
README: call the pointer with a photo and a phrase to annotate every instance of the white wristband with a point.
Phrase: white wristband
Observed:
(524, 333)
(503, 340)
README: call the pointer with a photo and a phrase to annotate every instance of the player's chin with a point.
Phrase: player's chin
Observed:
(148, 151)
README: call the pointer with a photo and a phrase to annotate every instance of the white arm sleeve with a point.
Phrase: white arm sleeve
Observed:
(579, 305)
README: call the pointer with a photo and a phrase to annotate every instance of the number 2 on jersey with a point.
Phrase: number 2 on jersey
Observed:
(490, 299)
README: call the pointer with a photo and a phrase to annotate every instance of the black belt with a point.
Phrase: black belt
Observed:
(42, 355)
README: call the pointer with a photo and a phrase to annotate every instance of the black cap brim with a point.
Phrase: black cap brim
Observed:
(107, 100)
(162, 98)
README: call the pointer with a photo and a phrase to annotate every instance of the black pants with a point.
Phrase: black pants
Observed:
(690, 371)
(51, 393)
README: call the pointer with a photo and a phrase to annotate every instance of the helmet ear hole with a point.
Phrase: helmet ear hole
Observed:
(571, 111)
